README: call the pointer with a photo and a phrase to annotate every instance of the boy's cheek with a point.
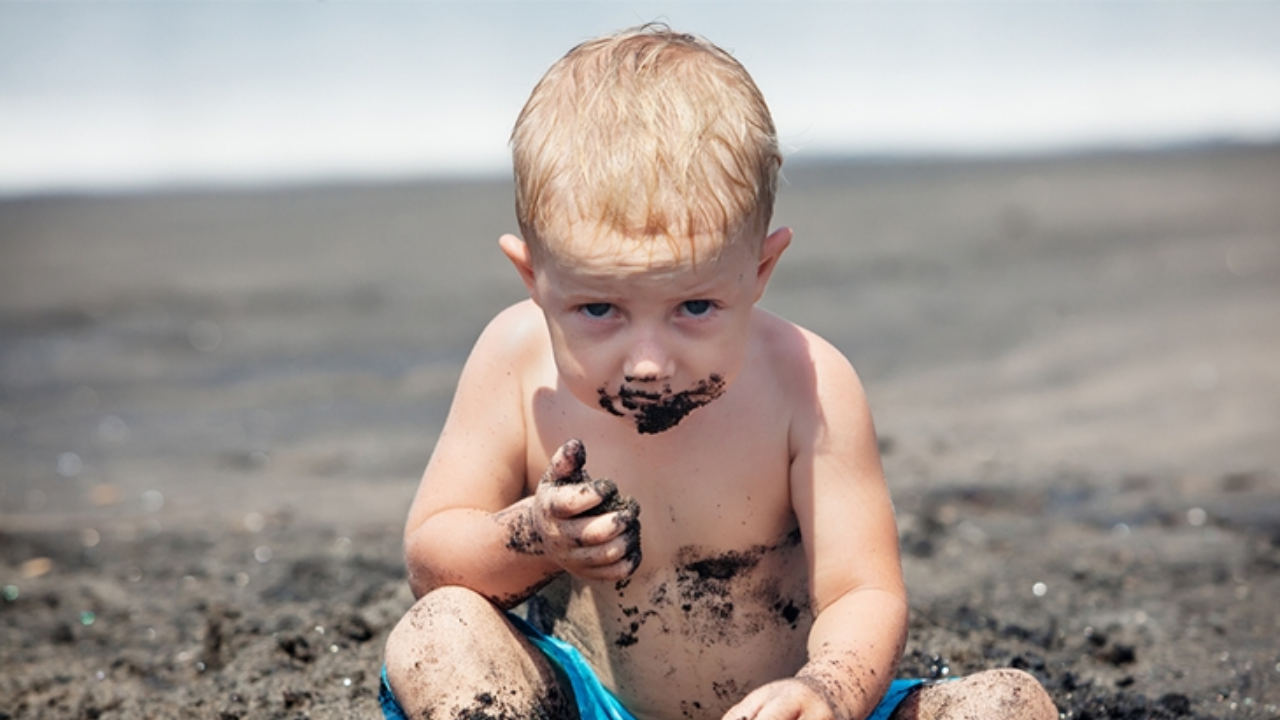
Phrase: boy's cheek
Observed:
(573, 359)
(573, 372)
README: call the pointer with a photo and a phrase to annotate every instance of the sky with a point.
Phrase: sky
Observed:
(107, 96)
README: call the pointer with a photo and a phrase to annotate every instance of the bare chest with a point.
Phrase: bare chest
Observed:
(719, 602)
(690, 637)
(721, 479)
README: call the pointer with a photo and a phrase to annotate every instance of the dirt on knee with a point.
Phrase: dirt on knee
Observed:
(509, 704)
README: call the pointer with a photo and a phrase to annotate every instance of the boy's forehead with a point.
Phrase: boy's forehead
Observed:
(604, 251)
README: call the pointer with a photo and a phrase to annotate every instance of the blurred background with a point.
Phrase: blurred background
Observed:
(109, 96)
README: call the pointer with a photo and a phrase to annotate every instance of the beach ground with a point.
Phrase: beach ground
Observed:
(215, 406)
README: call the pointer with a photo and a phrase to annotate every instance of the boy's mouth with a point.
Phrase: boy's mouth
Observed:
(654, 411)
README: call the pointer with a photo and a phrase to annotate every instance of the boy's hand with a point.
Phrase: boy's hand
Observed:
(585, 526)
(789, 699)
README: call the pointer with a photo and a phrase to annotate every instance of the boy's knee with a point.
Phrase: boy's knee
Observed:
(424, 650)
(453, 648)
(434, 628)
(1018, 694)
(437, 618)
(1004, 694)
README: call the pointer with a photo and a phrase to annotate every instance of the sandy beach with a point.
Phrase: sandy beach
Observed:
(215, 407)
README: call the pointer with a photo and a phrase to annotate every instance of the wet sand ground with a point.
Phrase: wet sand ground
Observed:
(214, 408)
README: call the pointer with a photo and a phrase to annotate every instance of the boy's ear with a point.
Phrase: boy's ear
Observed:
(770, 251)
(517, 251)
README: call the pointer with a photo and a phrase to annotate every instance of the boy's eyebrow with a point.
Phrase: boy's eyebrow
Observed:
(585, 295)
(608, 273)
(603, 289)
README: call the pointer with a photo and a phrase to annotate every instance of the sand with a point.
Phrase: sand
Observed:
(214, 408)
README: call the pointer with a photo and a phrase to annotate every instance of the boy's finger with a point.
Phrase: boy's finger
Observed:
(596, 529)
(600, 555)
(607, 491)
(566, 464)
(614, 560)
(746, 709)
(569, 501)
(780, 700)
(777, 708)
(780, 709)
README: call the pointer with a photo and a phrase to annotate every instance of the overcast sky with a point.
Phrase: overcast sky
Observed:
(143, 94)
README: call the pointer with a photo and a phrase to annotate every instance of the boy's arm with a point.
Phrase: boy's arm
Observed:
(851, 543)
(473, 522)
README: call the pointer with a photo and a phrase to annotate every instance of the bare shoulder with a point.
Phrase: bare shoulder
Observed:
(491, 390)
(479, 458)
(835, 472)
(806, 364)
(513, 336)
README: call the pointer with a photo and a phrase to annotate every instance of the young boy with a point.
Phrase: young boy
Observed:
(742, 562)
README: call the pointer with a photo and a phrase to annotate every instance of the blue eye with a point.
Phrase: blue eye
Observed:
(597, 310)
(697, 308)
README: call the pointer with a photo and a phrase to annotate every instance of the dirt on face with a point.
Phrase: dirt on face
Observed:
(656, 412)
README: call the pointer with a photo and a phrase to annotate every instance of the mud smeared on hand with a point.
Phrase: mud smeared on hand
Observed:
(524, 538)
(656, 412)
(611, 501)
(575, 454)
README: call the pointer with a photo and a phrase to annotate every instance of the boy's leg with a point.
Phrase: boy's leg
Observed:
(455, 655)
(992, 695)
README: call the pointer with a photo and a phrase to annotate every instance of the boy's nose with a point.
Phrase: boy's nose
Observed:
(647, 363)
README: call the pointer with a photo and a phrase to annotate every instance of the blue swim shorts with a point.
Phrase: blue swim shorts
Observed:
(595, 702)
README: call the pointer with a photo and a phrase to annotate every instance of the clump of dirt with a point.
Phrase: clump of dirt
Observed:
(706, 584)
(628, 637)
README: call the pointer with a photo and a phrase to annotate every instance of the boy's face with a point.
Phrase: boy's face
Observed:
(641, 334)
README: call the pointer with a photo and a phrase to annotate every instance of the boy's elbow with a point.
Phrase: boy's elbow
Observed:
(418, 572)
(420, 583)
(422, 579)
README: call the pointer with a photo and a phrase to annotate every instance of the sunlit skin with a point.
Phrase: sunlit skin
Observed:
(769, 583)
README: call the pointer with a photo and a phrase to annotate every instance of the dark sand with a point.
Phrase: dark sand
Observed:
(214, 408)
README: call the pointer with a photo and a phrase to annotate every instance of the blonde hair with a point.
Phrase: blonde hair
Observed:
(646, 133)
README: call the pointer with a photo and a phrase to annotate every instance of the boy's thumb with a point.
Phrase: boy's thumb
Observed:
(566, 464)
